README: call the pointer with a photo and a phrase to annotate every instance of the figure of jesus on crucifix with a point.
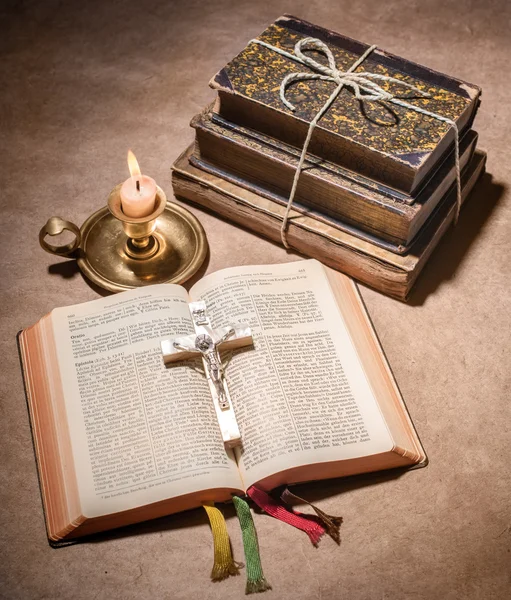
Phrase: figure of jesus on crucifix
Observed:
(214, 367)
(206, 342)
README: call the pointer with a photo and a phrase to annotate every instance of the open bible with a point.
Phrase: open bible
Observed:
(120, 438)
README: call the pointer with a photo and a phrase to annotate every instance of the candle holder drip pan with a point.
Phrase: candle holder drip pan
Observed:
(118, 253)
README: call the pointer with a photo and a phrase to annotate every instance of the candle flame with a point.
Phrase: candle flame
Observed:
(133, 164)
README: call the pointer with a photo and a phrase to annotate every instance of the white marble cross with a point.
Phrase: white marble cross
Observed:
(206, 342)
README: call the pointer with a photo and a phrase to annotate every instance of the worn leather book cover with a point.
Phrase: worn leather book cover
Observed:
(377, 267)
(380, 140)
(266, 165)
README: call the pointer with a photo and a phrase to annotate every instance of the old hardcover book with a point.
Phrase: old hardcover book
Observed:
(266, 165)
(119, 438)
(382, 141)
(391, 273)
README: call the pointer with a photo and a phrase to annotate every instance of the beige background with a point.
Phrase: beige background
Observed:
(83, 81)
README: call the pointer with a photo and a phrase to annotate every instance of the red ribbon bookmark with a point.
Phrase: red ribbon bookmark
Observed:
(311, 527)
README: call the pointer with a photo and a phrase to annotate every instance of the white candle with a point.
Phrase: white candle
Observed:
(138, 192)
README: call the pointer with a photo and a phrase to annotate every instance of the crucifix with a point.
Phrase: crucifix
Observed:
(206, 342)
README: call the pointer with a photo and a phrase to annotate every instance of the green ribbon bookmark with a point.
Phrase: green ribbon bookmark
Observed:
(256, 581)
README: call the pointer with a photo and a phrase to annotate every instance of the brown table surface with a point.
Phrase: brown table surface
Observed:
(84, 81)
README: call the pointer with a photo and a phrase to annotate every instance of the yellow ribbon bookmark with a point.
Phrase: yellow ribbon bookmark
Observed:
(224, 563)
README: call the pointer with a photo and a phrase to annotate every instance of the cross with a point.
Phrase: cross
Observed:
(206, 342)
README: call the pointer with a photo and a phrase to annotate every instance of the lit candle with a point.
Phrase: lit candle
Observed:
(138, 192)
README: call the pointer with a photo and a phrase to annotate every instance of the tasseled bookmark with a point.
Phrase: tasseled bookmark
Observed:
(256, 581)
(224, 563)
(332, 524)
(308, 524)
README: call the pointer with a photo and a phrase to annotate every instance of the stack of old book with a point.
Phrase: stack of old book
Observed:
(378, 187)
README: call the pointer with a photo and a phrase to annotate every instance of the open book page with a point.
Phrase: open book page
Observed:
(140, 432)
(300, 395)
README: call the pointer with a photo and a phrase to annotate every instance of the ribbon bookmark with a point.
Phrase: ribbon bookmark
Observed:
(224, 563)
(256, 582)
(308, 524)
(331, 523)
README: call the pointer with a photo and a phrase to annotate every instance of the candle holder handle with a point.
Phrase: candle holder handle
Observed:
(56, 226)
(119, 253)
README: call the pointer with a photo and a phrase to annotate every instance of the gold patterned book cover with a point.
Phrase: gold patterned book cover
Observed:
(379, 139)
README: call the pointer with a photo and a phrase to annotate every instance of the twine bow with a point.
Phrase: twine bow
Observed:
(362, 83)
(365, 89)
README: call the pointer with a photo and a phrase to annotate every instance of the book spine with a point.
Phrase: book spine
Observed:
(324, 144)
(393, 282)
(253, 168)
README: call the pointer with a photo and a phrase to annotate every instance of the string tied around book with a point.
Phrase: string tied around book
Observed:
(364, 86)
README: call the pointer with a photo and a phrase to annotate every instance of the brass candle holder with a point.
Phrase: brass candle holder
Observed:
(118, 252)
